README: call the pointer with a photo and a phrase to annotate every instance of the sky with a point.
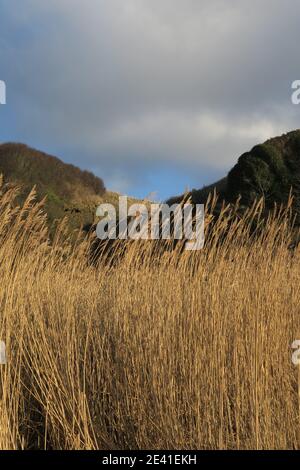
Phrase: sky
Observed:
(154, 96)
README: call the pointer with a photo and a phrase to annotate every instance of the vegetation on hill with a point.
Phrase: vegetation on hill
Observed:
(69, 191)
(269, 170)
(199, 196)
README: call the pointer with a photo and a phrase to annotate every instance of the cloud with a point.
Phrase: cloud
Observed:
(126, 85)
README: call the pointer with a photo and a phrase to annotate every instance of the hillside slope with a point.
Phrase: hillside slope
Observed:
(69, 191)
(270, 169)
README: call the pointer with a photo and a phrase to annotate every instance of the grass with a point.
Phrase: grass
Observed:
(162, 350)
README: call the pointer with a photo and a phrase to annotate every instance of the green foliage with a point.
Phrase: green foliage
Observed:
(18, 161)
(268, 170)
(250, 178)
(68, 190)
(274, 159)
(296, 142)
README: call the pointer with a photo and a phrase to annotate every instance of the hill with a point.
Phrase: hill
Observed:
(69, 191)
(270, 169)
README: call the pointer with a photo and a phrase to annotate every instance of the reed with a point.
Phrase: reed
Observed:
(162, 350)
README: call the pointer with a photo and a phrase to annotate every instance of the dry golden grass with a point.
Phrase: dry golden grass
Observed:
(162, 351)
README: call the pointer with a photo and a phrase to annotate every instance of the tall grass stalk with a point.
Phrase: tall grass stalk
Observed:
(162, 349)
